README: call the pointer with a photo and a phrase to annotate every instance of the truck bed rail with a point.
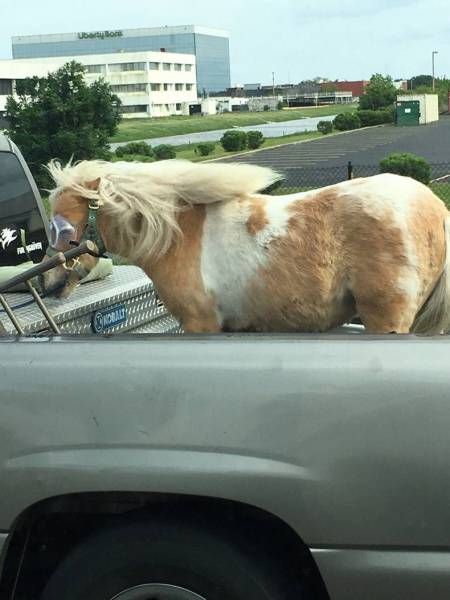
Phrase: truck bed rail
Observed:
(26, 278)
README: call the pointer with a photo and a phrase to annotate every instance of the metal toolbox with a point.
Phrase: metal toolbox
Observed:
(124, 301)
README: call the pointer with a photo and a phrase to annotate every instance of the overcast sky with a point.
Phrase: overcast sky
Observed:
(297, 39)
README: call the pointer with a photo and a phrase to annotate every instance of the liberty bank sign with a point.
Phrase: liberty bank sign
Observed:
(101, 35)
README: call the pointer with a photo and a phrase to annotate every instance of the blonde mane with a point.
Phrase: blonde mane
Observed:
(142, 200)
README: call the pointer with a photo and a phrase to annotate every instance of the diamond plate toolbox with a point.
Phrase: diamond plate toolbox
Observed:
(124, 301)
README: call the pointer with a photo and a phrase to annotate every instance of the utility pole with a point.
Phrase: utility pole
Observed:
(432, 64)
(273, 84)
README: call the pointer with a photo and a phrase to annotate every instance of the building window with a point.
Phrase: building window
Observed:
(166, 67)
(178, 106)
(5, 87)
(178, 87)
(188, 67)
(178, 67)
(134, 66)
(155, 87)
(167, 87)
(166, 106)
(95, 68)
(129, 87)
(134, 108)
(154, 66)
(189, 87)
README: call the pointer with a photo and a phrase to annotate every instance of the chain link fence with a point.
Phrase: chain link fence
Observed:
(307, 178)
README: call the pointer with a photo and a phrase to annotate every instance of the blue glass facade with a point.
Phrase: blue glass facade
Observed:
(213, 62)
(212, 52)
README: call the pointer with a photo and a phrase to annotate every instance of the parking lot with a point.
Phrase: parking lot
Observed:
(361, 147)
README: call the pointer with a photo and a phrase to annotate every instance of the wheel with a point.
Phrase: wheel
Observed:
(169, 561)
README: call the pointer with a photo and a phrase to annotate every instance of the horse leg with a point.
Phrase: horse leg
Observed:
(387, 315)
(198, 325)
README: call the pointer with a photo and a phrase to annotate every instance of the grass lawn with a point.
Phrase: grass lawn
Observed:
(141, 129)
(187, 151)
(442, 190)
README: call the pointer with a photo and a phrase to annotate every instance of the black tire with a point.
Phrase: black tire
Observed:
(211, 564)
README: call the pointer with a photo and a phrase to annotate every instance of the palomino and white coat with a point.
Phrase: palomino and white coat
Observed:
(224, 256)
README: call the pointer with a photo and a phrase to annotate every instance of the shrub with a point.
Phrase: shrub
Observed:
(205, 148)
(409, 165)
(254, 139)
(266, 108)
(325, 127)
(104, 154)
(391, 112)
(375, 117)
(346, 121)
(135, 157)
(234, 140)
(280, 105)
(164, 152)
(140, 148)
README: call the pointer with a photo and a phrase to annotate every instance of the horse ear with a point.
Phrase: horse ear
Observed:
(93, 185)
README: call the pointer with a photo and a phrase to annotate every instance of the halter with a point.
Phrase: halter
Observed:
(91, 229)
(61, 230)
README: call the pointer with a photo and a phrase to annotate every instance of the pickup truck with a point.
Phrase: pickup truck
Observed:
(223, 467)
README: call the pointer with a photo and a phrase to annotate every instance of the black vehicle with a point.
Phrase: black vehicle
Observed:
(24, 230)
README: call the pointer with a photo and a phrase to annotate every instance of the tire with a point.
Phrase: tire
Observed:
(168, 561)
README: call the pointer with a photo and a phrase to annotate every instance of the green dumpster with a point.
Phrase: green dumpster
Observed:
(408, 112)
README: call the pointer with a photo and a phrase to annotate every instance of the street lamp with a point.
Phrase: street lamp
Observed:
(432, 63)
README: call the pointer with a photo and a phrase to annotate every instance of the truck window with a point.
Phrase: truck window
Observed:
(20, 218)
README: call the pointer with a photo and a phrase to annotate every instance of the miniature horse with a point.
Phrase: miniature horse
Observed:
(224, 257)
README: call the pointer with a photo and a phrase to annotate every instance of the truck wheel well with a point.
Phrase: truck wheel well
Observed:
(44, 533)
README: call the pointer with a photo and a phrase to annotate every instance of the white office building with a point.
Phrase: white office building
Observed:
(209, 46)
(149, 84)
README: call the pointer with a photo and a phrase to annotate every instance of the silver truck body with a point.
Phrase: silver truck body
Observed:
(343, 439)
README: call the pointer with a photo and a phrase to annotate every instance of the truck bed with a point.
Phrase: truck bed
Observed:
(127, 295)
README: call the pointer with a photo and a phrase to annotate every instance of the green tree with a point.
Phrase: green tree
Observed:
(420, 80)
(423, 84)
(379, 93)
(61, 116)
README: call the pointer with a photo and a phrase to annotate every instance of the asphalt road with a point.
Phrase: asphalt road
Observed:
(324, 161)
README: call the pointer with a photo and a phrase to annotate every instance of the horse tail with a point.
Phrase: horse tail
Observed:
(434, 317)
